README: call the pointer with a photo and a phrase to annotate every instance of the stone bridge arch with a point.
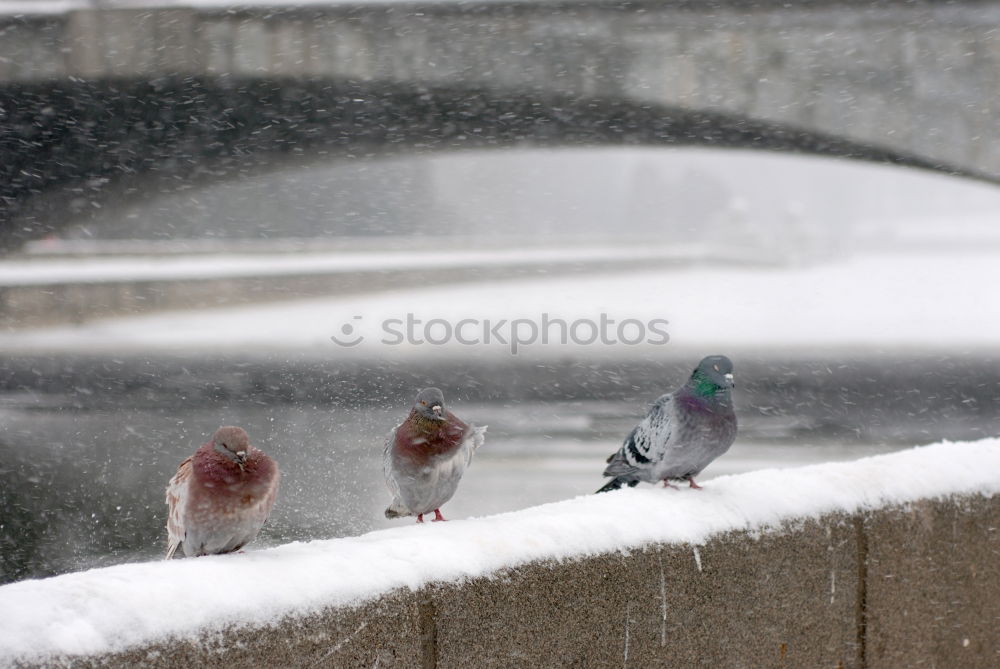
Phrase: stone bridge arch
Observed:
(110, 96)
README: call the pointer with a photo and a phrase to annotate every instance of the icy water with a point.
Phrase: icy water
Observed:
(84, 462)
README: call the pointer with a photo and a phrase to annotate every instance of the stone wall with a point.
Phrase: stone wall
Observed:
(897, 587)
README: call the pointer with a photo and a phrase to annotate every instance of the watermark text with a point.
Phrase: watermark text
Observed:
(515, 333)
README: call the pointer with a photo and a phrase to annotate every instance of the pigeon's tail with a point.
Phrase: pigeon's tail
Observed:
(616, 483)
(171, 549)
(396, 512)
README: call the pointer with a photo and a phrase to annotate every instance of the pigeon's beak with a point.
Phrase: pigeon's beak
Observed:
(730, 381)
(437, 409)
(241, 458)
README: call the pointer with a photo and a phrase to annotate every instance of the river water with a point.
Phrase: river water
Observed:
(88, 444)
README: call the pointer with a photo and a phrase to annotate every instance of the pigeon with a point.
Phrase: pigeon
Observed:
(426, 455)
(220, 497)
(683, 432)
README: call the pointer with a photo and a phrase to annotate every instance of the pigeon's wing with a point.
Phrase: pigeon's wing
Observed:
(177, 496)
(646, 443)
(448, 471)
(396, 507)
(271, 496)
(390, 479)
(474, 438)
(455, 466)
(657, 428)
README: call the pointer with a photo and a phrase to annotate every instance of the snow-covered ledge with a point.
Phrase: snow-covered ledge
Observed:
(865, 563)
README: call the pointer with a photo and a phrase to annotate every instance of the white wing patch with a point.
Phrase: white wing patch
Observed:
(646, 444)
(177, 499)
(396, 507)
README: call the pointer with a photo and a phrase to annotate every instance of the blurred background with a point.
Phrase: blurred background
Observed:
(221, 214)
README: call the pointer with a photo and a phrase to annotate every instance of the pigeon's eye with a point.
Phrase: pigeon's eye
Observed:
(423, 402)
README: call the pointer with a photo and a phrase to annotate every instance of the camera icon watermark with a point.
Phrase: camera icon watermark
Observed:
(515, 334)
(348, 337)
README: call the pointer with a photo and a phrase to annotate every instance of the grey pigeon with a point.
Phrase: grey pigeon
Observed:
(220, 497)
(683, 432)
(426, 455)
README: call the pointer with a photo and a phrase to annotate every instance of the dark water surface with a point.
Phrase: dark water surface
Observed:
(87, 444)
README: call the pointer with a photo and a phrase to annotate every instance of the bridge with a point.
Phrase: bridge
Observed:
(115, 100)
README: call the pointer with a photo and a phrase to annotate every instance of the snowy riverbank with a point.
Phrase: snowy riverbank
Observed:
(921, 301)
(113, 609)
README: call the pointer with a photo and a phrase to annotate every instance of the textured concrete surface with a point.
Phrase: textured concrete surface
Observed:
(903, 587)
(933, 586)
(378, 634)
(737, 602)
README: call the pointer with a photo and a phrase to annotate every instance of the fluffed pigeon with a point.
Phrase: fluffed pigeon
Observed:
(683, 432)
(220, 497)
(426, 455)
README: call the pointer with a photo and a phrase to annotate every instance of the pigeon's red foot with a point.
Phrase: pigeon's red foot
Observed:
(694, 485)
(437, 516)
(420, 517)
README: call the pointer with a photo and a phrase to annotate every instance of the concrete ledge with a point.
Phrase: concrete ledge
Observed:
(904, 584)
(737, 600)
(932, 585)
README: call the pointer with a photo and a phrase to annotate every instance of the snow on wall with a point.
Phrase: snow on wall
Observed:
(110, 609)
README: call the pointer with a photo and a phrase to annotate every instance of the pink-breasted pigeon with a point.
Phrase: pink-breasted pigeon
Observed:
(220, 497)
(426, 455)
